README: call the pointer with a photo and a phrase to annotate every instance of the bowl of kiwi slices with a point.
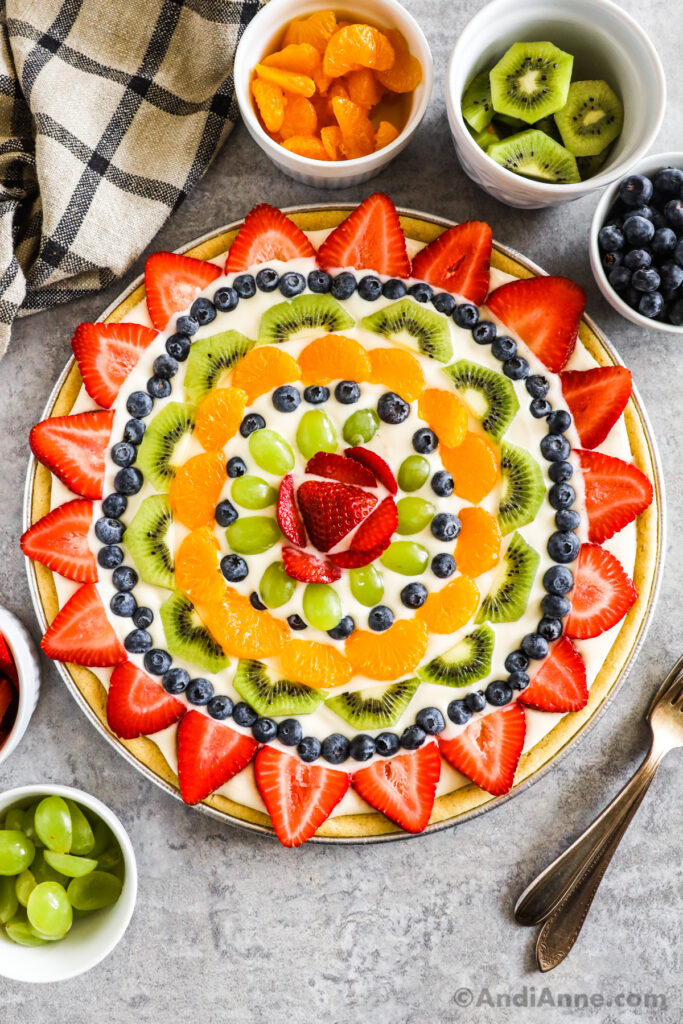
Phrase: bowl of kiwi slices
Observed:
(548, 101)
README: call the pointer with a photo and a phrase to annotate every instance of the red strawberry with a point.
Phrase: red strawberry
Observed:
(73, 448)
(267, 234)
(82, 634)
(139, 706)
(488, 750)
(371, 538)
(615, 493)
(403, 787)
(336, 467)
(288, 517)
(596, 399)
(299, 797)
(106, 353)
(172, 283)
(60, 541)
(7, 666)
(560, 682)
(209, 753)
(545, 312)
(6, 696)
(306, 568)
(458, 261)
(602, 593)
(331, 510)
(376, 464)
(371, 238)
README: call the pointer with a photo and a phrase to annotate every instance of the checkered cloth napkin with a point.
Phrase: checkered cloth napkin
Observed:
(110, 112)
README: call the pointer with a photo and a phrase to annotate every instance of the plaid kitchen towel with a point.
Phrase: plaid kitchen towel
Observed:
(110, 111)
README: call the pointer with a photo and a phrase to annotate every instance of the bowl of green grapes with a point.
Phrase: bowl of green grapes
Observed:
(68, 882)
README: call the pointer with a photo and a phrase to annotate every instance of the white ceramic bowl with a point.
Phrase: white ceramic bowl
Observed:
(262, 36)
(606, 43)
(91, 938)
(648, 166)
(28, 671)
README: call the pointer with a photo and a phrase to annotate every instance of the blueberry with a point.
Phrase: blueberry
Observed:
(612, 259)
(643, 210)
(658, 219)
(226, 299)
(335, 748)
(678, 253)
(110, 556)
(610, 238)
(157, 661)
(673, 211)
(369, 288)
(555, 606)
(380, 618)
(391, 408)
(292, 283)
(638, 231)
(619, 278)
(289, 732)
(387, 744)
(251, 422)
(124, 578)
(516, 661)
(225, 513)
(114, 505)
(316, 394)
(484, 332)
(187, 325)
(651, 304)
(235, 467)
(518, 680)
(430, 720)
(362, 747)
(123, 604)
(637, 259)
(134, 431)
(414, 595)
(158, 387)
(319, 281)
(394, 288)
(413, 737)
(347, 392)
(139, 404)
(109, 531)
(343, 285)
(550, 629)
(444, 303)
(635, 189)
(220, 707)
(128, 481)
(245, 286)
(668, 181)
(165, 366)
(498, 693)
(567, 519)
(309, 748)
(296, 622)
(663, 241)
(475, 701)
(563, 547)
(466, 315)
(137, 641)
(343, 629)
(537, 386)
(535, 646)
(646, 280)
(458, 712)
(266, 280)
(443, 565)
(175, 680)
(264, 730)
(442, 483)
(561, 496)
(425, 441)
(555, 447)
(559, 422)
(558, 580)
(123, 453)
(199, 691)
(560, 471)
(421, 291)
(540, 407)
(234, 568)
(503, 347)
(445, 526)
(671, 275)
(631, 297)
(516, 369)
(256, 602)
(244, 715)
(286, 398)
(676, 313)
(143, 617)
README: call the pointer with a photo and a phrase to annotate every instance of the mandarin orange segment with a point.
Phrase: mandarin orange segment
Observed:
(446, 414)
(386, 133)
(315, 664)
(448, 609)
(333, 357)
(264, 369)
(478, 547)
(270, 101)
(322, 81)
(300, 117)
(306, 145)
(303, 58)
(317, 30)
(405, 74)
(355, 45)
(289, 81)
(398, 371)
(363, 88)
(196, 488)
(219, 416)
(331, 138)
(356, 127)
(474, 466)
(388, 655)
(197, 572)
(242, 631)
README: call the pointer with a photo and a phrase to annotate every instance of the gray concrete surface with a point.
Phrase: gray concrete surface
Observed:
(230, 927)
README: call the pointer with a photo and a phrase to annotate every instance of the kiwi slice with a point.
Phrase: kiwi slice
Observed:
(409, 323)
(548, 126)
(287, 320)
(147, 539)
(509, 124)
(592, 117)
(211, 359)
(535, 155)
(486, 137)
(464, 663)
(523, 488)
(509, 596)
(477, 108)
(187, 637)
(531, 80)
(489, 396)
(590, 165)
(162, 441)
(376, 707)
(269, 694)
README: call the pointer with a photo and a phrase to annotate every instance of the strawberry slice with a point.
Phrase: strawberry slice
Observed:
(615, 493)
(331, 510)
(60, 541)
(371, 538)
(307, 568)
(336, 467)
(172, 283)
(560, 682)
(371, 238)
(602, 593)
(209, 753)
(402, 787)
(376, 464)
(288, 517)
(596, 399)
(106, 354)
(267, 234)
(82, 634)
(6, 696)
(458, 261)
(7, 666)
(545, 312)
(299, 797)
(137, 705)
(488, 750)
(73, 448)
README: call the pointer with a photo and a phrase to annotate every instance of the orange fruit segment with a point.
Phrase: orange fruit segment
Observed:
(355, 45)
(398, 371)
(478, 546)
(270, 101)
(356, 127)
(317, 29)
(242, 631)
(446, 414)
(474, 466)
(300, 117)
(306, 145)
(197, 572)
(196, 488)
(315, 664)
(405, 74)
(290, 81)
(386, 133)
(331, 138)
(333, 357)
(448, 609)
(363, 88)
(303, 58)
(263, 369)
(219, 416)
(388, 655)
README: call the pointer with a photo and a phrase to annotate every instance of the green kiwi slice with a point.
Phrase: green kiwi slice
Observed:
(591, 119)
(534, 154)
(162, 442)
(187, 637)
(509, 595)
(464, 663)
(523, 488)
(486, 137)
(489, 396)
(375, 708)
(288, 320)
(211, 359)
(590, 165)
(408, 323)
(270, 694)
(147, 539)
(477, 108)
(531, 81)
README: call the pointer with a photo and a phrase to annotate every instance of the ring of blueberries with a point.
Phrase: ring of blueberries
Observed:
(563, 545)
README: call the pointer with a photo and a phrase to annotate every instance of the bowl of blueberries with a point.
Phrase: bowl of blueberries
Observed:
(636, 245)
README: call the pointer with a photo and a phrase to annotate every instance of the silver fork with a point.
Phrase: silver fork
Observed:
(561, 895)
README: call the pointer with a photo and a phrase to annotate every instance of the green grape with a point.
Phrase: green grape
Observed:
(16, 852)
(250, 535)
(271, 452)
(103, 838)
(83, 837)
(276, 587)
(412, 473)
(49, 910)
(42, 872)
(8, 898)
(322, 607)
(406, 557)
(414, 514)
(16, 820)
(361, 426)
(30, 829)
(67, 864)
(94, 891)
(316, 433)
(367, 585)
(252, 492)
(24, 884)
(112, 861)
(53, 824)
(22, 933)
